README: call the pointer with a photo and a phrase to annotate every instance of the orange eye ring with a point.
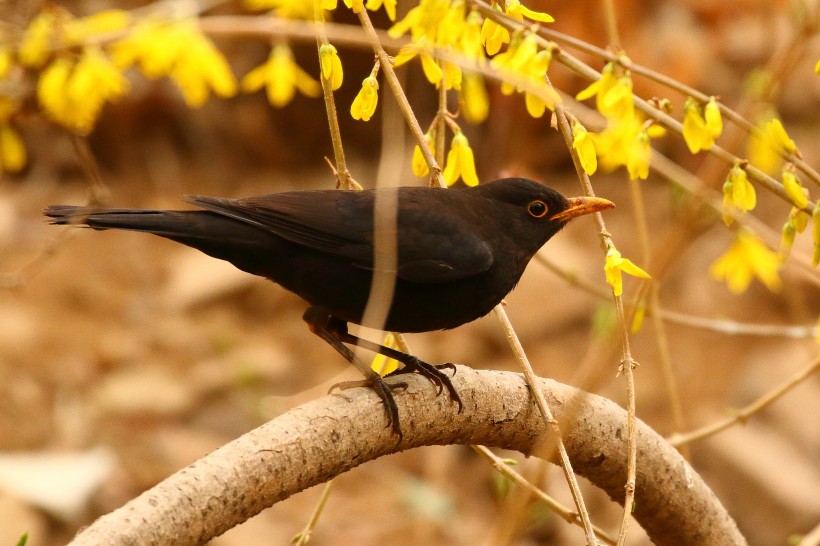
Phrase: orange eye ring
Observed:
(537, 209)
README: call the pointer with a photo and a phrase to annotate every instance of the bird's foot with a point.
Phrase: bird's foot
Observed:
(384, 391)
(434, 374)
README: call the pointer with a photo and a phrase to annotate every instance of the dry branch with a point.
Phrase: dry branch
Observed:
(319, 440)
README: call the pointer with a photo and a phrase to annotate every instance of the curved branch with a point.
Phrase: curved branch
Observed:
(314, 442)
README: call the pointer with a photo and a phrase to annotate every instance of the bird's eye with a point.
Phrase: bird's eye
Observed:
(537, 209)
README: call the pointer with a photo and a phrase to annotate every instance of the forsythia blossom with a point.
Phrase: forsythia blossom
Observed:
(34, 49)
(460, 162)
(281, 77)
(475, 102)
(364, 105)
(738, 194)
(420, 167)
(12, 150)
(180, 50)
(331, 65)
(615, 266)
(584, 147)
(701, 126)
(74, 94)
(747, 258)
(793, 187)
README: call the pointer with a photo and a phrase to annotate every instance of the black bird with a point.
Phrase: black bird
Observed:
(460, 251)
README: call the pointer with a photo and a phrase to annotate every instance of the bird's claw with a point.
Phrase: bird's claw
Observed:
(434, 374)
(384, 391)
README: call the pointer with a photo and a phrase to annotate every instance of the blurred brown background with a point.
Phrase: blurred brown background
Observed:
(125, 357)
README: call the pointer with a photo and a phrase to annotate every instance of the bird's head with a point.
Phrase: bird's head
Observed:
(534, 212)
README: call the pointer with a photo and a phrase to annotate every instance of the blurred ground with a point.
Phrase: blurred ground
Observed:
(126, 357)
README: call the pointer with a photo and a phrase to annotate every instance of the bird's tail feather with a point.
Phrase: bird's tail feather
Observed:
(171, 224)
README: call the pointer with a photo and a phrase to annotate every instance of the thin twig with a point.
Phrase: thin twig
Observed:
(562, 511)
(627, 362)
(304, 536)
(546, 413)
(743, 414)
(343, 176)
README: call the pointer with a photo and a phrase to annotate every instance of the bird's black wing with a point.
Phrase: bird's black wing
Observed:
(434, 245)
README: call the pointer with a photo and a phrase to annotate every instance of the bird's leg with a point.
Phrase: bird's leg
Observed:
(338, 329)
(329, 328)
(411, 364)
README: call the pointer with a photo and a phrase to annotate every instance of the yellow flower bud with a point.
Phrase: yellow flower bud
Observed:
(787, 237)
(585, 148)
(331, 65)
(364, 105)
(777, 133)
(12, 149)
(793, 188)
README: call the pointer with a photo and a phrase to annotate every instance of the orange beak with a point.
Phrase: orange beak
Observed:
(579, 206)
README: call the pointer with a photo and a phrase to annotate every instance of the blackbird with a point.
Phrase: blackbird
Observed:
(460, 251)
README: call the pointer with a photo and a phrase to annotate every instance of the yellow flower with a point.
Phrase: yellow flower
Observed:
(180, 51)
(470, 42)
(475, 103)
(518, 11)
(281, 77)
(389, 7)
(6, 61)
(460, 162)
(516, 59)
(94, 82)
(700, 130)
(380, 363)
(437, 21)
(331, 65)
(8, 106)
(364, 105)
(747, 258)
(432, 70)
(493, 35)
(615, 266)
(73, 95)
(787, 235)
(613, 93)
(51, 87)
(420, 166)
(817, 67)
(793, 188)
(776, 132)
(626, 142)
(523, 67)
(452, 76)
(34, 49)
(12, 149)
(78, 31)
(714, 120)
(738, 194)
(202, 68)
(584, 147)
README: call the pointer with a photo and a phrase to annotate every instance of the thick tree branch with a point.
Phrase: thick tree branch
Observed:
(312, 443)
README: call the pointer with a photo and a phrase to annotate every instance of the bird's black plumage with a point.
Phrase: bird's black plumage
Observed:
(459, 251)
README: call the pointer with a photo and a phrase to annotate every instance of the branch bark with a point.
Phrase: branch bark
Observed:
(314, 442)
